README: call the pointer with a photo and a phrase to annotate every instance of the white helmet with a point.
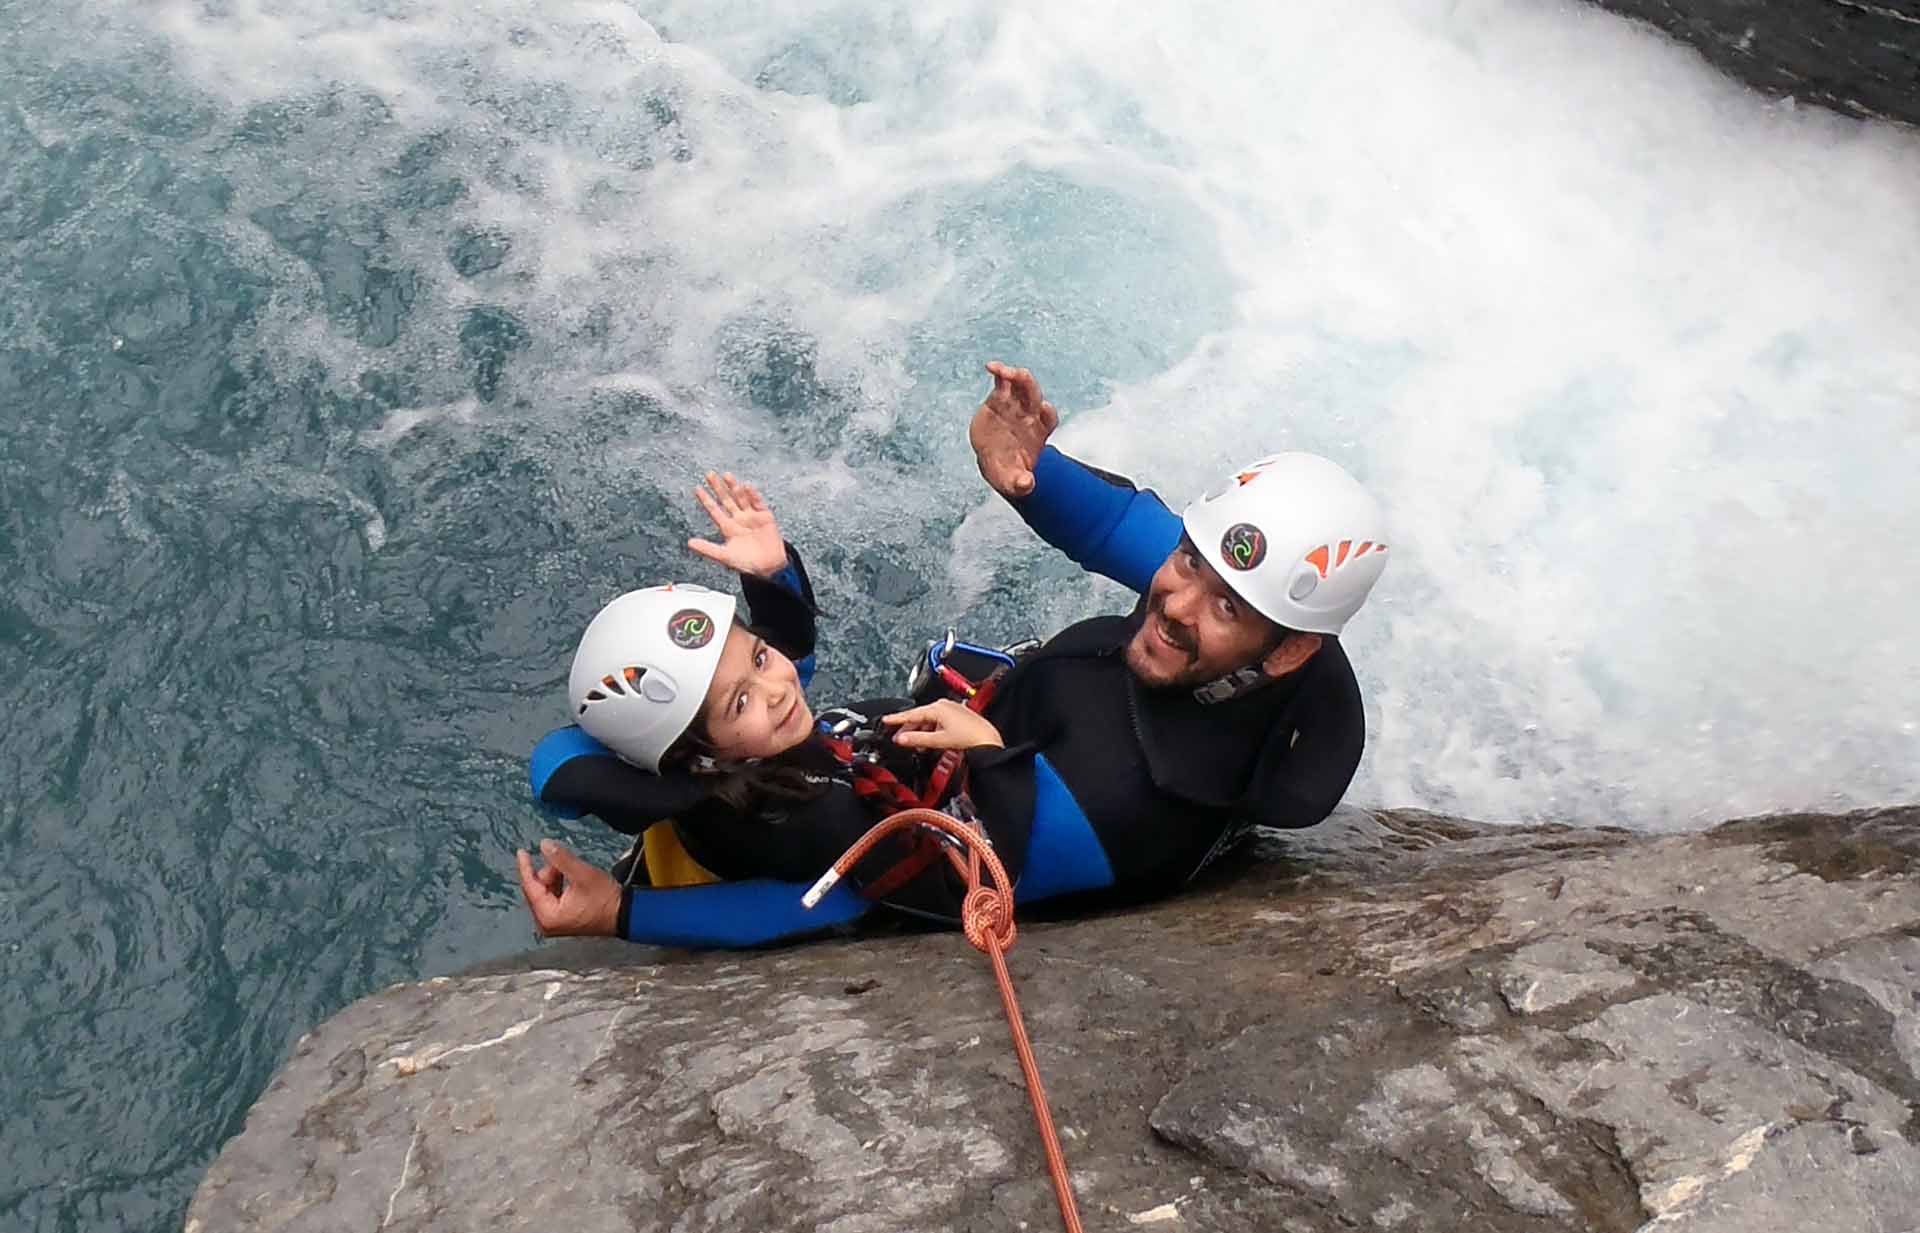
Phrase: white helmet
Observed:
(644, 665)
(1295, 536)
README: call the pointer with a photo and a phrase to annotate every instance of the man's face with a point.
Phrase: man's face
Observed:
(1196, 629)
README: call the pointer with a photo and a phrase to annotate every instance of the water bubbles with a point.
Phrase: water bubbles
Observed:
(1576, 338)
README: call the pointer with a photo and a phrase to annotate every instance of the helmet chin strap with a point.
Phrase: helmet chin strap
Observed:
(1234, 684)
(704, 765)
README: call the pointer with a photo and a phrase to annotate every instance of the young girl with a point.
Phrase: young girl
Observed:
(693, 729)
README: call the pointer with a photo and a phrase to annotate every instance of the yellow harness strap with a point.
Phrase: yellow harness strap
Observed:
(667, 861)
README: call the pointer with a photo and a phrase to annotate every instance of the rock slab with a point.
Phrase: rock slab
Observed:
(1858, 57)
(1394, 1021)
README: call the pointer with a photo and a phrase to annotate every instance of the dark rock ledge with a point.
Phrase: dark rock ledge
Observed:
(1858, 57)
(1394, 1022)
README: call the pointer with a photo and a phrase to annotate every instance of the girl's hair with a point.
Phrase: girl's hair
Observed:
(758, 789)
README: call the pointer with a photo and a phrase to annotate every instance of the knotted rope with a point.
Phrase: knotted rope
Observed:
(986, 916)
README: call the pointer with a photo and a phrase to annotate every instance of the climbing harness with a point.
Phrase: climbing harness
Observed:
(986, 916)
(946, 784)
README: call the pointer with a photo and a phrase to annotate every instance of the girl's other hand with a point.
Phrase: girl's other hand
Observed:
(750, 540)
(942, 725)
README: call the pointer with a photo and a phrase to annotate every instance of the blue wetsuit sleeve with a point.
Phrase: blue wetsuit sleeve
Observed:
(1063, 853)
(555, 750)
(1101, 521)
(733, 914)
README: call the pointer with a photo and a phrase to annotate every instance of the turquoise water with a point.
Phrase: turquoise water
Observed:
(352, 352)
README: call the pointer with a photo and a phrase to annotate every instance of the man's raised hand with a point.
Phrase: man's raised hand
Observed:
(1010, 429)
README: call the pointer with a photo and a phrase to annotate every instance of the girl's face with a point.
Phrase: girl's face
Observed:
(755, 707)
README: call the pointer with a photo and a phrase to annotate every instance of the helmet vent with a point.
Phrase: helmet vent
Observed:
(613, 683)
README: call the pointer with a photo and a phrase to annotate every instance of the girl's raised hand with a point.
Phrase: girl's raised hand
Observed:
(750, 540)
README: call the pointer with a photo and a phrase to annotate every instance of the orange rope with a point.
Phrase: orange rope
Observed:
(986, 916)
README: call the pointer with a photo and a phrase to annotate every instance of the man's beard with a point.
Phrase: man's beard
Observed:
(1152, 673)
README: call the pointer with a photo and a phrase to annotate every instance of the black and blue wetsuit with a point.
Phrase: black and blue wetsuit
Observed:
(1136, 789)
(1105, 788)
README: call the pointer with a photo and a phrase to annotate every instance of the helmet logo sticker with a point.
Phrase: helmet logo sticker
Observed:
(1243, 546)
(690, 629)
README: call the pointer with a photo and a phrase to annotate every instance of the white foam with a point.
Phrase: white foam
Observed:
(1632, 356)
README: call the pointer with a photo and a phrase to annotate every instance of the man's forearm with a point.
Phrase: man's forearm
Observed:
(732, 914)
(1101, 521)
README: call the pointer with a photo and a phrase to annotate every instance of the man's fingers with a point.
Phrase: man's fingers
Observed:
(1049, 416)
(710, 550)
(541, 898)
(565, 861)
(722, 486)
(1016, 394)
(1027, 391)
(754, 499)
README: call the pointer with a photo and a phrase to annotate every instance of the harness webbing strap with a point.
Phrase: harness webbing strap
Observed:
(927, 848)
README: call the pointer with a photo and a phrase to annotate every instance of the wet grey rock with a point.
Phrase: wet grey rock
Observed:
(1394, 1021)
(1857, 57)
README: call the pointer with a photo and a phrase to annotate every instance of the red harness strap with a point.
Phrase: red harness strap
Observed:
(948, 778)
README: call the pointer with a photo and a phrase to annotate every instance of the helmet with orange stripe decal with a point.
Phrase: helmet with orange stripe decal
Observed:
(1295, 536)
(643, 668)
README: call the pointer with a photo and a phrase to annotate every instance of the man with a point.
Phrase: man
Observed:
(1222, 702)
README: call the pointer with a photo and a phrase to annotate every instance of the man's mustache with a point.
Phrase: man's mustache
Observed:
(1176, 633)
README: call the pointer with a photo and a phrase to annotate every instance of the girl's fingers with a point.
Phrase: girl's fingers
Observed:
(712, 506)
(722, 495)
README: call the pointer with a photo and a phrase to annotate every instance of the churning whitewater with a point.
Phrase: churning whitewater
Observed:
(357, 350)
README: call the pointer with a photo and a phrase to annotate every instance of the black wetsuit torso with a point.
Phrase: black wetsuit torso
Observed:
(1165, 781)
